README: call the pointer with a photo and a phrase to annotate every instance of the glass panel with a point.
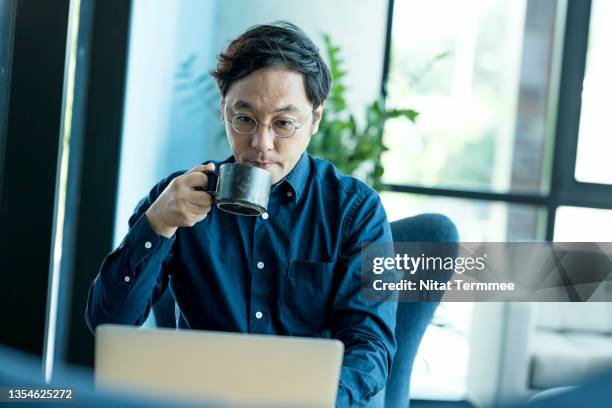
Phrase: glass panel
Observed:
(436, 363)
(478, 75)
(580, 224)
(476, 220)
(593, 162)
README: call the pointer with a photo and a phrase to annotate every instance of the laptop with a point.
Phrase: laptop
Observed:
(240, 370)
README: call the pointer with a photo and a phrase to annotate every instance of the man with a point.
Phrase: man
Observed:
(293, 271)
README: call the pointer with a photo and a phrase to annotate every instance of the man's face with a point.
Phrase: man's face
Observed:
(270, 95)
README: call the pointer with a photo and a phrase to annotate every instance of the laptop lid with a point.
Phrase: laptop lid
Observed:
(238, 369)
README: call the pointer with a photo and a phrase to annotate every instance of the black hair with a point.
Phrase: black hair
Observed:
(268, 45)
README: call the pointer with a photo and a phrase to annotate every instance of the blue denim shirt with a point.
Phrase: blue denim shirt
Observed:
(295, 272)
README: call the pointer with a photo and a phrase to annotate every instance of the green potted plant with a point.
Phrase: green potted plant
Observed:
(355, 149)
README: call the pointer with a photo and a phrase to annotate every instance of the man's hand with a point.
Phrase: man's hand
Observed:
(181, 204)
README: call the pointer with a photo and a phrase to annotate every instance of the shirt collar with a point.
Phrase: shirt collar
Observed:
(297, 178)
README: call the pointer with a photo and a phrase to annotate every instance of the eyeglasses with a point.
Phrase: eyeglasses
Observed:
(247, 125)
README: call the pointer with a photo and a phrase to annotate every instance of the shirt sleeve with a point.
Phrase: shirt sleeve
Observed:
(133, 276)
(366, 327)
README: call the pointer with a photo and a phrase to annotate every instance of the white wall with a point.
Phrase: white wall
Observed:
(163, 130)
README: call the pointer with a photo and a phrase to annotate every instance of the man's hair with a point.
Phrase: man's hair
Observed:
(280, 44)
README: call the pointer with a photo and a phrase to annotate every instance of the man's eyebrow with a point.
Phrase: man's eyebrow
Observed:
(242, 104)
(288, 108)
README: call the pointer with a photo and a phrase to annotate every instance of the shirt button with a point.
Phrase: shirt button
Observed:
(148, 245)
(264, 216)
(289, 193)
(258, 315)
(127, 278)
(260, 265)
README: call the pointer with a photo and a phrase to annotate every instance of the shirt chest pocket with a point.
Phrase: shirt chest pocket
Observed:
(308, 290)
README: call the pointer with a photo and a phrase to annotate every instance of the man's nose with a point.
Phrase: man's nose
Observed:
(263, 139)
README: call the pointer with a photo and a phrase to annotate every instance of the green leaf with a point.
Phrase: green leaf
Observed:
(407, 113)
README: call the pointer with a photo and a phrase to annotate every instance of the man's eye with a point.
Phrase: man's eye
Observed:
(243, 119)
(283, 123)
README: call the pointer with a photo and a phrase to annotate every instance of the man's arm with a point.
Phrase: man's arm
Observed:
(133, 276)
(365, 327)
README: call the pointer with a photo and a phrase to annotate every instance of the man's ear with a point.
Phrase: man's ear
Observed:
(222, 110)
(318, 115)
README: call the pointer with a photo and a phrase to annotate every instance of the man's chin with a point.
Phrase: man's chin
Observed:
(277, 173)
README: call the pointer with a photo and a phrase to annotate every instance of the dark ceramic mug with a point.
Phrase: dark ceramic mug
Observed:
(240, 188)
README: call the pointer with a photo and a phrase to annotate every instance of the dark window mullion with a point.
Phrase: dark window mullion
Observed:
(101, 150)
(387, 54)
(586, 195)
(570, 93)
(563, 182)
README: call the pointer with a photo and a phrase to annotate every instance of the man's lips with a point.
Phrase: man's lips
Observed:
(261, 164)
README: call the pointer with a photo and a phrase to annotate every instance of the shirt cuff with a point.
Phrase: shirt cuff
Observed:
(145, 244)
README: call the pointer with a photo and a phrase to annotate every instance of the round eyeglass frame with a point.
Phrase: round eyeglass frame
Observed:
(269, 125)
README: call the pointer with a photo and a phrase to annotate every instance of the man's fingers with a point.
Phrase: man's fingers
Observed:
(199, 198)
(202, 167)
(196, 179)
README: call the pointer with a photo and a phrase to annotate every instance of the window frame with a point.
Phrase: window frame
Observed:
(29, 133)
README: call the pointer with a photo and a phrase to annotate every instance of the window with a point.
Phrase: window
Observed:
(476, 220)
(478, 75)
(496, 145)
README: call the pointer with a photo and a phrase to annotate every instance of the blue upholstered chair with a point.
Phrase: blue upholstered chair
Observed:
(414, 317)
